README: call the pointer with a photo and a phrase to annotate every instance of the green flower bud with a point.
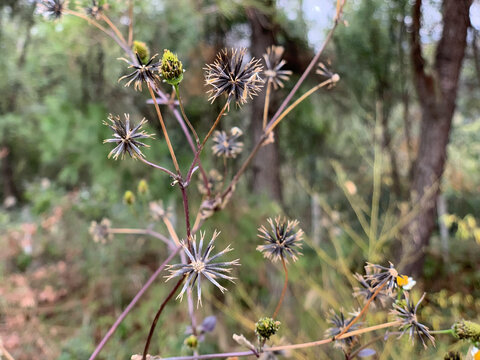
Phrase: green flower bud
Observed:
(142, 187)
(191, 342)
(266, 327)
(467, 330)
(452, 355)
(129, 197)
(171, 68)
(142, 50)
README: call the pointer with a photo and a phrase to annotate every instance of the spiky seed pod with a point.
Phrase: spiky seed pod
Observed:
(379, 275)
(214, 180)
(228, 75)
(227, 145)
(340, 322)
(273, 69)
(141, 48)
(144, 73)
(366, 291)
(406, 312)
(94, 10)
(202, 265)
(101, 232)
(282, 240)
(467, 330)
(266, 327)
(171, 68)
(52, 9)
(126, 136)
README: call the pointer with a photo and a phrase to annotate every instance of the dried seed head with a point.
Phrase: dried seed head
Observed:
(378, 275)
(95, 9)
(228, 75)
(406, 313)
(274, 63)
(52, 9)
(101, 232)
(171, 68)
(227, 145)
(214, 180)
(339, 323)
(202, 265)
(126, 136)
(282, 239)
(144, 72)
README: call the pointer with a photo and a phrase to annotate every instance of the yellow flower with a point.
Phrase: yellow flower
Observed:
(402, 280)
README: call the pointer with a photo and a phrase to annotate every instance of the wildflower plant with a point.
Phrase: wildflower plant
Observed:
(234, 78)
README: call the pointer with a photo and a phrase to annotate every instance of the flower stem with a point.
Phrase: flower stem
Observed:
(158, 167)
(288, 347)
(273, 124)
(114, 28)
(164, 129)
(130, 306)
(445, 331)
(180, 103)
(284, 290)
(310, 66)
(364, 310)
(157, 316)
(200, 148)
(267, 104)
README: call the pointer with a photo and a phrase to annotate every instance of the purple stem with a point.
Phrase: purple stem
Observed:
(132, 303)
(305, 73)
(212, 356)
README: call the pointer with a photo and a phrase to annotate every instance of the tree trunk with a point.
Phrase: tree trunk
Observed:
(266, 165)
(437, 94)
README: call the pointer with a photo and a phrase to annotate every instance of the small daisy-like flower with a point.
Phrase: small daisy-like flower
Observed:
(100, 232)
(228, 75)
(52, 9)
(143, 73)
(202, 265)
(274, 64)
(126, 136)
(406, 312)
(283, 239)
(339, 323)
(406, 282)
(227, 145)
(378, 275)
(214, 180)
(475, 353)
(94, 10)
(366, 291)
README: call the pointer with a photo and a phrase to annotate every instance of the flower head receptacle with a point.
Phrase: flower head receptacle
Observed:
(266, 327)
(171, 68)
